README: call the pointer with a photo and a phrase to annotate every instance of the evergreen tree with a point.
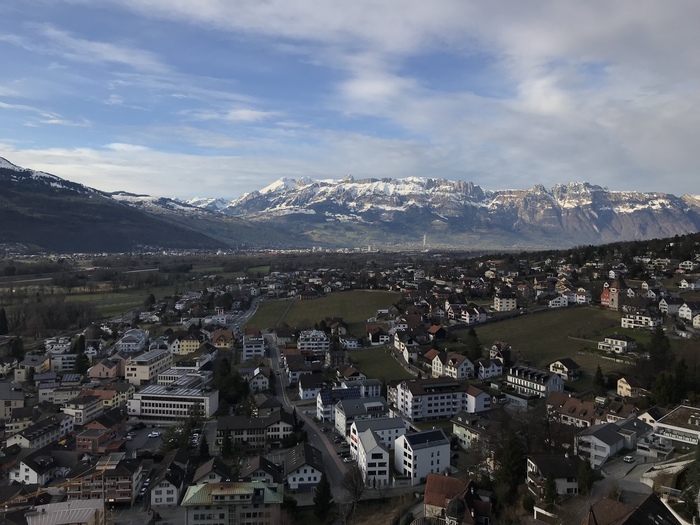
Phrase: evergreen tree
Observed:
(662, 389)
(660, 349)
(204, 448)
(150, 301)
(227, 446)
(473, 349)
(82, 361)
(511, 466)
(4, 329)
(599, 380)
(550, 492)
(680, 381)
(323, 499)
(17, 348)
(586, 477)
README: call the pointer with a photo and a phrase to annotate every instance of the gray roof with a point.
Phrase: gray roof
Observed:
(369, 440)
(355, 407)
(606, 432)
(303, 454)
(378, 423)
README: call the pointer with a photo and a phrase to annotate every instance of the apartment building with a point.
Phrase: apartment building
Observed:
(112, 479)
(328, 398)
(134, 340)
(530, 381)
(315, 341)
(387, 430)
(255, 431)
(249, 503)
(373, 460)
(144, 369)
(84, 409)
(438, 398)
(349, 410)
(44, 432)
(253, 347)
(417, 455)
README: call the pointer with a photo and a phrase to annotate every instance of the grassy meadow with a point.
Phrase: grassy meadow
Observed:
(377, 362)
(355, 307)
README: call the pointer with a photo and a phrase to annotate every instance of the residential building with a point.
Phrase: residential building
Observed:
(328, 398)
(68, 512)
(451, 364)
(534, 382)
(641, 320)
(688, 310)
(310, 385)
(681, 426)
(562, 467)
(256, 432)
(213, 470)
(630, 387)
(598, 443)
(618, 344)
(113, 479)
(314, 340)
(58, 345)
(42, 465)
(261, 470)
(253, 347)
(475, 432)
(488, 368)
(144, 369)
(83, 409)
(349, 410)
(44, 432)
(422, 399)
(303, 467)
(223, 339)
(373, 460)
(387, 430)
(504, 301)
(651, 510)
(134, 340)
(11, 397)
(167, 485)
(249, 503)
(455, 501)
(417, 455)
(566, 368)
(62, 363)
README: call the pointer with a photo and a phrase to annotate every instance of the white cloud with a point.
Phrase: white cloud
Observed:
(233, 115)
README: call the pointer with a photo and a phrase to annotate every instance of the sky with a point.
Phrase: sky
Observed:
(216, 98)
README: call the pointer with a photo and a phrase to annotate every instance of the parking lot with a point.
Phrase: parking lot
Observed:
(141, 441)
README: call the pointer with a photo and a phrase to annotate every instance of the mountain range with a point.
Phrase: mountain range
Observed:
(51, 213)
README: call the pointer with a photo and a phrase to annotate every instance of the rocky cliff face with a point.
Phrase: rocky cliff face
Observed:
(457, 213)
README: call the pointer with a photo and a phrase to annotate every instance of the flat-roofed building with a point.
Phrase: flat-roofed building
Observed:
(171, 404)
(417, 455)
(314, 340)
(143, 370)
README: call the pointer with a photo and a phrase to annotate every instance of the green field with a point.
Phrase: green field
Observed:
(545, 337)
(354, 307)
(378, 363)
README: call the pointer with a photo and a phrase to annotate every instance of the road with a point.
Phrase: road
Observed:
(335, 468)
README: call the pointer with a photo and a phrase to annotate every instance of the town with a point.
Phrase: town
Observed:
(423, 388)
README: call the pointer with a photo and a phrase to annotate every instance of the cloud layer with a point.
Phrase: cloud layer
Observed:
(182, 98)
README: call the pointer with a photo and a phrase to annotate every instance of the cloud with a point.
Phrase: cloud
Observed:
(55, 42)
(233, 115)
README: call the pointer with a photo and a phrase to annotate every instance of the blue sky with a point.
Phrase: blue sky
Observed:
(186, 98)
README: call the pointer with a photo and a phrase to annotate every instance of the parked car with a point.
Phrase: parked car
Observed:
(154, 434)
(628, 459)
(347, 460)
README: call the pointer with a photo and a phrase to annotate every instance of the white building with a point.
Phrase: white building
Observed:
(315, 341)
(438, 398)
(387, 430)
(534, 382)
(641, 321)
(57, 345)
(253, 347)
(252, 503)
(373, 460)
(349, 410)
(417, 455)
(134, 340)
(618, 344)
(168, 404)
(144, 369)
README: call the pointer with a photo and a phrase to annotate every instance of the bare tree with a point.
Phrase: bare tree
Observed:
(354, 482)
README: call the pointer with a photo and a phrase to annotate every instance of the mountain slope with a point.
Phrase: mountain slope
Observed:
(460, 214)
(50, 213)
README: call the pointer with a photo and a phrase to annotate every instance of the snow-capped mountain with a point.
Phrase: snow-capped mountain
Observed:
(47, 211)
(401, 211)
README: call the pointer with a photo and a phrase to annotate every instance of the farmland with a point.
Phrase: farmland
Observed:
(355, 307)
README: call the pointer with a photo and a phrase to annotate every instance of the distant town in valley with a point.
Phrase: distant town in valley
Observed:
(319, 386)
